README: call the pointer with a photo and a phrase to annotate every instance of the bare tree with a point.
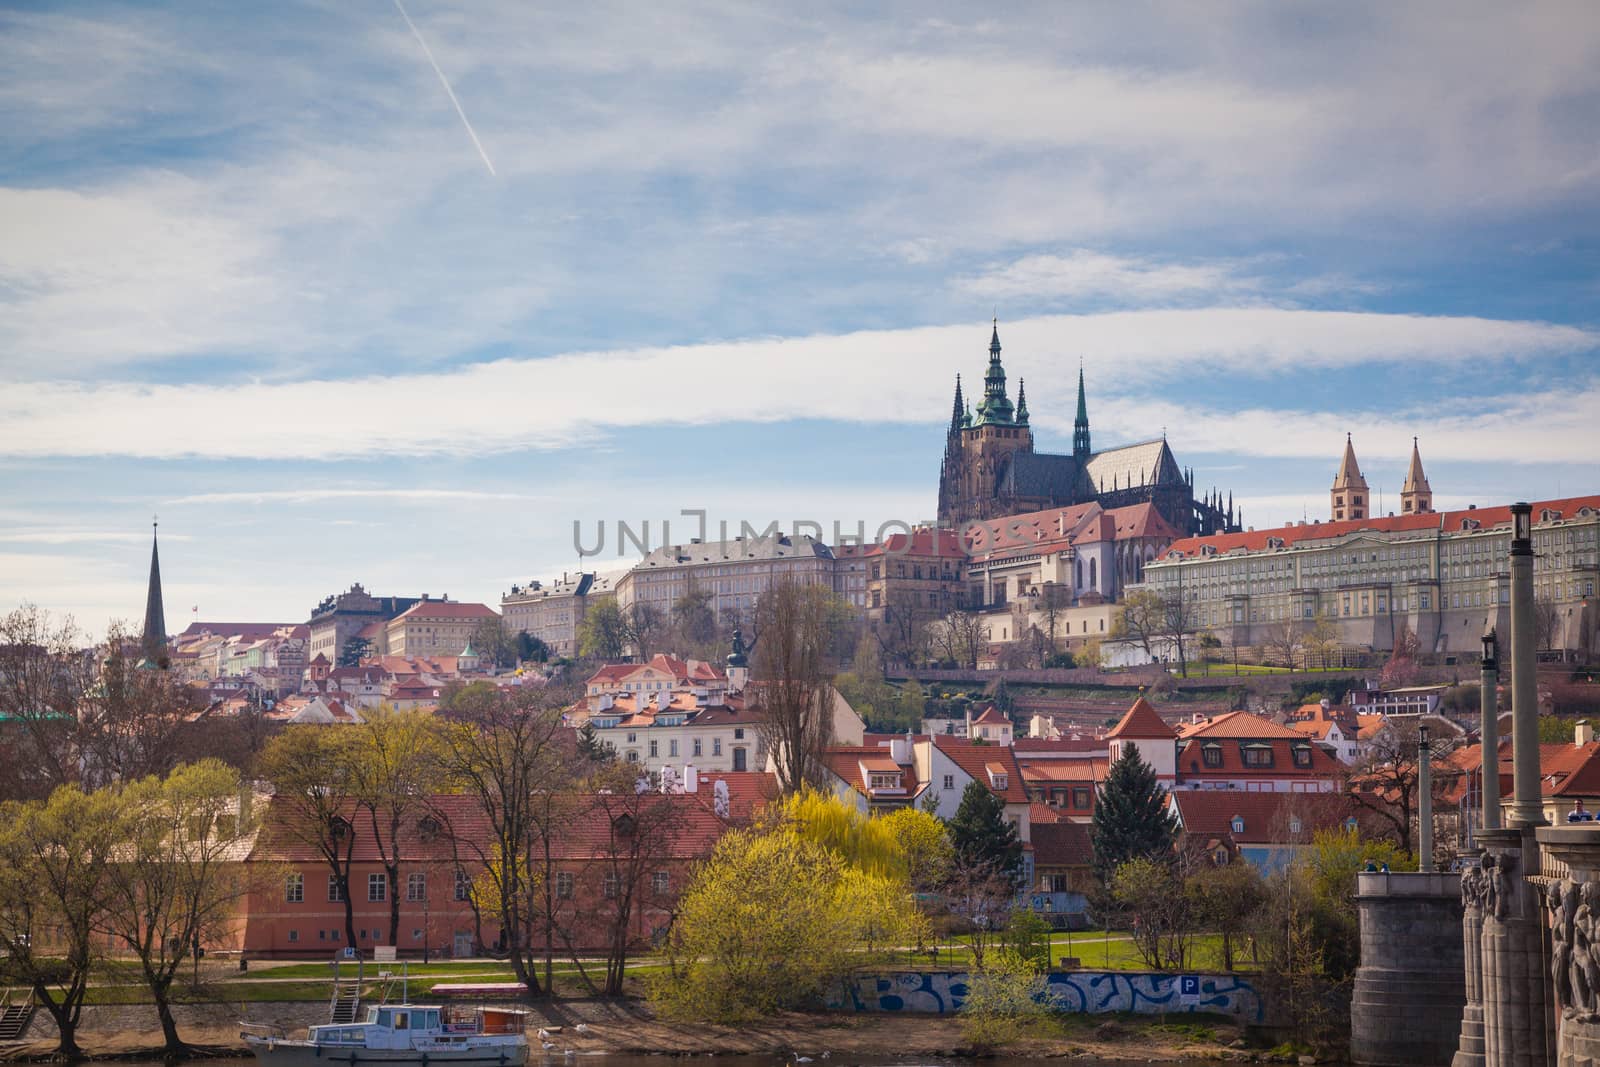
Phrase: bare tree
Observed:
(979, 895)
(313, 771)
(510, 752)
(960, 636)
(1385, 781)
(1285, 640)
(132, 721)
(903, 630)
(1546, 622)
(792, 680)
(1054, 599)
(1322, 637)
(1163, 621)
(646, 625)
(44, 673)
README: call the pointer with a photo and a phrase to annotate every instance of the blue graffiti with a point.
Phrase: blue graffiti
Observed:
(942, 992)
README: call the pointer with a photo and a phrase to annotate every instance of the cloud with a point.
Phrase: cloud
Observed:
(80, 537)
(318, 496)
(893, 375)
(1085, 273)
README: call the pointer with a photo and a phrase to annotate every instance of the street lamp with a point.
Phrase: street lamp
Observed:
(1424, 800)
(1489, 730)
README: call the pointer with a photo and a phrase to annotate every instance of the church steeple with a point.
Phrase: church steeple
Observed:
(1080, 426)
(995, 409)
(1349, 487)
(154, 639)
(1022, 403)
(1416, 496)
(958, 409)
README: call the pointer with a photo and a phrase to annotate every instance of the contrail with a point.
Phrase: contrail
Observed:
(448, 91)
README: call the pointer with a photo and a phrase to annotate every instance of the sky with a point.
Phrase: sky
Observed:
(342, 300)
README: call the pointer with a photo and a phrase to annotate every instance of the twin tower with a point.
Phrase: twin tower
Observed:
(1349, 498)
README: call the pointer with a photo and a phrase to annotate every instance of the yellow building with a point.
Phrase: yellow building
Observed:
(435, 628)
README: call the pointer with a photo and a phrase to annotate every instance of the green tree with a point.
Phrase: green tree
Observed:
(176, 882)
(924, 842)
(604, 633)
(312, 769)
(693, 619)
(981, 835)
(54, 859)
(1004, 995)
(493, 643)
(356, 648)
(1151, 892)
(592, 747)
(792, 679)
(1223, 899)
(1131, 817)
(396, 764)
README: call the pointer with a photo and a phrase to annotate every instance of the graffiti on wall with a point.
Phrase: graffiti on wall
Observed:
(939, 992)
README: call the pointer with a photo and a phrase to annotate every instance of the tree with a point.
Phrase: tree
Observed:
(1054, 599)
(925, 845)
(770, 922)
(1152, 892)
(603, 634)
(54, 859)
(531, 649)
(792, 680)
(979, 894)
(641, 836)
(592, 747)
(693, 620)
(176, 881)
(902, 632)
(506, 749)
(356, 648)
(1385, 781)
(1208, 649)
(960, 636)
(865, 843)
(312, 769)
(981, 835)
(1004, 995)
(132, 720)
(1546, 622)
(396, 764)
(1285, 640)
(646, 625)
(1401, 670)
(1322, 638)
(493, 642)
(866, 690)
(44, 673)
(1131, 818)
(1223, 898)
(1090, 654)
(1161, 624)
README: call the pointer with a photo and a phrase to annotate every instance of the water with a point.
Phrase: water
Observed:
(607, 1059)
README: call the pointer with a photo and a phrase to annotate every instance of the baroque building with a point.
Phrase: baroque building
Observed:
(991, 470)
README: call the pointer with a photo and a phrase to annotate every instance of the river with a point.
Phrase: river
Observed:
(607, 1059)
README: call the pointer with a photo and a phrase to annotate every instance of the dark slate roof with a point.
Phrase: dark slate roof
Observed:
(1041, 474)
(1152, 461)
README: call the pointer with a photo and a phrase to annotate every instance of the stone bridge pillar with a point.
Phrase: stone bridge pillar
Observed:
(1573, 906)
(1405, 1010)
(1515, 979)
(1469, 1050)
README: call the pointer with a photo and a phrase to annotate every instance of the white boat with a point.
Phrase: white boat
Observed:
(421, 1034)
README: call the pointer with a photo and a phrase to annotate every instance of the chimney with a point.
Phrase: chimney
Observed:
(691, 779)
(424, 598)
(1582, 733)
(900, 750)
(605, 701)
(663, 700)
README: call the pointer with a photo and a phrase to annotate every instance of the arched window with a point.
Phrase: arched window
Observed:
(1094, 582)
(1080, 574)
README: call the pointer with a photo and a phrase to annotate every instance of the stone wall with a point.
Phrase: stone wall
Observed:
(1405, 1010)
(1149, 993)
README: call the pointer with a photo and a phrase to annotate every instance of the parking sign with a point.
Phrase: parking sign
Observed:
(1189, 988)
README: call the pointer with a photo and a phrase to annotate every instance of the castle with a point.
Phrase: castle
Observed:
(991, 470)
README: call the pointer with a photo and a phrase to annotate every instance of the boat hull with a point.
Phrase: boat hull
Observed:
(276, 1053)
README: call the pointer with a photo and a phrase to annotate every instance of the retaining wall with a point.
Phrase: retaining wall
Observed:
(1147, 993)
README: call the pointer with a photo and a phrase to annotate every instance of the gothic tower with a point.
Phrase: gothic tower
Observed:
(1080, 425)
(154, 639)
(979, 443)
(1349, 493)
(1416, 497)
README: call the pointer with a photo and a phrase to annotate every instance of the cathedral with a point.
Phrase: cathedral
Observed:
(991, 470)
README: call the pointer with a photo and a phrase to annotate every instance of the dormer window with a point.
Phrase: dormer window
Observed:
(1302, 755)
(1257, 755)
(1237, 825)
(1294, 824)
(1211, 752)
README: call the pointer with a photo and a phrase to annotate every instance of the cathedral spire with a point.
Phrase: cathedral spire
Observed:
(958, 409)
(995, 408)
(1349, 494)
(1416, 496)
(1022, 403)
(154, 640)
(1080, 426)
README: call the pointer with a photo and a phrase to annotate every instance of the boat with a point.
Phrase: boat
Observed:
(421, 1034)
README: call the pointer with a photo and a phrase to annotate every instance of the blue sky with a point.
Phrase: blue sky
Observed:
(256, 277)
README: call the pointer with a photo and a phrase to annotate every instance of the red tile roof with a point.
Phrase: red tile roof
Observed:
(1256, 540)
(1142, 723)
(1209, 813)
(1192, 764)
(1061, 844)
(1241, 724)
(974, 759)
(992, 716)
(447, 609)
(1086, 769)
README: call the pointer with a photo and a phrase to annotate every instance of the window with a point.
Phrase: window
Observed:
(661, 882)
(1294, 824)
(655, 748)
(672, 748)
(377, 887)
(294, 888)
(1237, 825)
(1302, 755)
(696, 748)
(294, 935)
(738, 734)
(611, 887)
(335, 934)
(716, 746)
(564, 885)
(1258, 755)
(1081, 797)
(416, 887)
(1211, 754)
(949, 781)
(335, 890)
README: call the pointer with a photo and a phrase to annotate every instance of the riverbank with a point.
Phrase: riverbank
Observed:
(628, 1027)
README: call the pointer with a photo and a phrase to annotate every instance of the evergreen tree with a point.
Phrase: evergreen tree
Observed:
(591, 747)
(980, 834)
(355, 650)
(1131, 820)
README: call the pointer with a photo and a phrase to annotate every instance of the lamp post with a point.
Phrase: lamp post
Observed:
(1424, 801)
(1526, 810)
(1489, 731)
